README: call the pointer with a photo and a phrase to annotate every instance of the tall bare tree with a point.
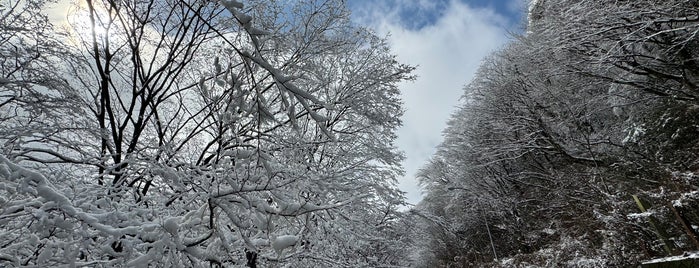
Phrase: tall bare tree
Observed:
(216, 133)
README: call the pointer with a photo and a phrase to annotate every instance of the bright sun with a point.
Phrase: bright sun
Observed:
(81, 25)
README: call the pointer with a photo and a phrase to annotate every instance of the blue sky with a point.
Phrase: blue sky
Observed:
(446, 40)
(415, 14)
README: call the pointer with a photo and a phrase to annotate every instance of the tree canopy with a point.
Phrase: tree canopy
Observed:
(575, 145)
(193, 133)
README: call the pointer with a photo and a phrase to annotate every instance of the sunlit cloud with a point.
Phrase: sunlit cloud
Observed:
(447, 45)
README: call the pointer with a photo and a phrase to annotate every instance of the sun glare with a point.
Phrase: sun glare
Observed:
(81, 24)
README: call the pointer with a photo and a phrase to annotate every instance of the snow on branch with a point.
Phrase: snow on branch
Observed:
(36, 183)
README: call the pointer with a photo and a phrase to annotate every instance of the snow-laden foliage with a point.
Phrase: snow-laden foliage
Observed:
(206, 133)
(576, 145)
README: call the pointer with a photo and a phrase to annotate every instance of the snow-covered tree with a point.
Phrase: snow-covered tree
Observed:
(593, 105)
(31, 92)
(221, 133)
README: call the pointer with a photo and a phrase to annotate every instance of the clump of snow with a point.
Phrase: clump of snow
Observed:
(45, 255)
(259, 242)
(171, 225)
(684, 197)
(169, 174)
(260, 221)
(582, 261)
(143, 260)
(685, 256)
(635, 216)
(634, 133)
(282, 242)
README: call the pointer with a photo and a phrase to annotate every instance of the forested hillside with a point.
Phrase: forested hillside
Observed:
(576, 145)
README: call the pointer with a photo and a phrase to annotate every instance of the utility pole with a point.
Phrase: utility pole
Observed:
(487, 227)
(485, 219)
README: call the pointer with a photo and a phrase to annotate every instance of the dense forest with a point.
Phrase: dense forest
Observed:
(576, 145)
(190, 133)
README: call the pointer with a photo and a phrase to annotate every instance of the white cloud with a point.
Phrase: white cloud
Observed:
(447, 54)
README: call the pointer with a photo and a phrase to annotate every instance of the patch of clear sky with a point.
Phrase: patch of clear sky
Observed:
(415, 14)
